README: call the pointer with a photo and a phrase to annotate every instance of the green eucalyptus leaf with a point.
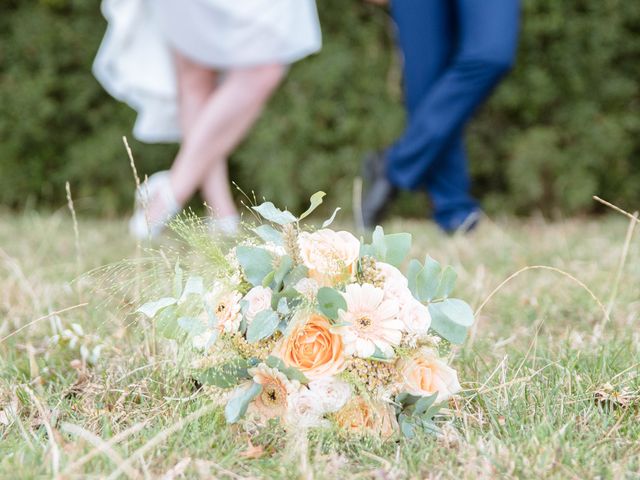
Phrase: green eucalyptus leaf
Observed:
(406, 399)
(262, 326)
(451, 319)
(397, 246)
(407, 426)
(330, 220)
(392, 248)
(269, 234)
(256, 263)
(413, 272)
(167, 323)
(316, 201)
(378, 243)
(266, 281)
(286, 263)
(193, 326)
(289, 293)
(269, 211)
(228, 374)
(291, 372)
(424, 404)
(330, 301)
(151, 309)
(429, 280)
(237, 406)
(194, 286)
(379, 356)
(295, 275)
(447, 283)
(367, 250)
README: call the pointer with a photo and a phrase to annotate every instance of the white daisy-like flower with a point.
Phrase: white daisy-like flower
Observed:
(369, 322)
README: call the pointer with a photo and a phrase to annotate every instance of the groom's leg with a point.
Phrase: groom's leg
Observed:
(449, 187)
(425, 33)
(486, 40)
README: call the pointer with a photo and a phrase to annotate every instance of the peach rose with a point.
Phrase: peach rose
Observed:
(312, 347)
(425, 374)
(359, 416)
(330, 256)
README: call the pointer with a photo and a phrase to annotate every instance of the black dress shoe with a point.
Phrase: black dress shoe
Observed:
(378, 192)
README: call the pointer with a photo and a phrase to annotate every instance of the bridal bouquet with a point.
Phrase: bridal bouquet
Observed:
(314, 327)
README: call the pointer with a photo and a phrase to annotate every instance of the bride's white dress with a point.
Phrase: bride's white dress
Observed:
(134, 62)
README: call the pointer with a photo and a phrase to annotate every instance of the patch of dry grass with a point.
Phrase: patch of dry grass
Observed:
(551, 388)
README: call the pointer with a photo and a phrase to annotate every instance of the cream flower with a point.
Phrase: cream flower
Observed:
(258, 299)
(333, 393)
(370, 322)
(396, 285)
(416, 317)
(305, 409)
(273, 400)
(425, 374)
(330, 256)
(225, 304)
(360, 416)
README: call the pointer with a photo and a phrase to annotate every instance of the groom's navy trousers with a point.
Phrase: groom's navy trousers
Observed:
(455, 52)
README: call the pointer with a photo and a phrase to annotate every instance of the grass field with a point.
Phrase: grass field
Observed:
(551, 383)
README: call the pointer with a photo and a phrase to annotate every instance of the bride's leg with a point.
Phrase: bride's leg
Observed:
(222, 123)
(216, 190)
(196, 84)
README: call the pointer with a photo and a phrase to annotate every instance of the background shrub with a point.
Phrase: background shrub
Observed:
(563, 126)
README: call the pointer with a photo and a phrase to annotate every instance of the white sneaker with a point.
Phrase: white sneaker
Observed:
(157, 184)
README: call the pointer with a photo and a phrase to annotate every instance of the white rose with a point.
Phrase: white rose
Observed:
(305, 409)
(416, 317)
(259, 299)
(329, 255)
(334, 393)
(396, 285)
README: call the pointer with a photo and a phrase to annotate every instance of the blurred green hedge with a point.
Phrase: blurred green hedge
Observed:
(563, 126)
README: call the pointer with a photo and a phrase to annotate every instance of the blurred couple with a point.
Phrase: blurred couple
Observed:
(201, 71)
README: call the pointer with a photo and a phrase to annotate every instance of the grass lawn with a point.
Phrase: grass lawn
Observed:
(551, 387)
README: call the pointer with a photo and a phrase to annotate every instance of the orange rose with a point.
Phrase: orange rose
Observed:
(359, 416)
(312, 348)
(425, 374)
